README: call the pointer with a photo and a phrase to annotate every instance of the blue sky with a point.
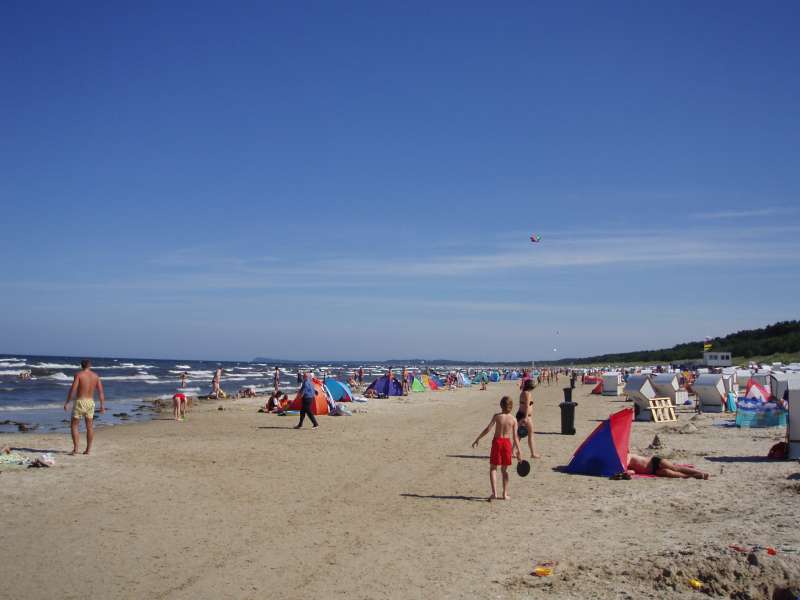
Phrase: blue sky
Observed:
(317, 180)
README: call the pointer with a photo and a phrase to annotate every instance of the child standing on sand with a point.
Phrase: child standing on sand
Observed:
(505, 436)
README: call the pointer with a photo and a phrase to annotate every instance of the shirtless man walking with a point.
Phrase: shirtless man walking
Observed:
(83, 386)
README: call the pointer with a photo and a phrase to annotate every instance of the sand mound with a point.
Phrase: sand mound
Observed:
(688, 428)
(725, 572)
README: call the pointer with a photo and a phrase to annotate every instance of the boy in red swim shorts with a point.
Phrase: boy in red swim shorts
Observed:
(504, 442)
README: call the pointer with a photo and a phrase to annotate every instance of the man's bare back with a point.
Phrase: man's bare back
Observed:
(85, 384)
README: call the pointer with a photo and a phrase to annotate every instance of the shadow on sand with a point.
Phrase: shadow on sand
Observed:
(480, 456)
(279, 427)
(735, 459)
(39, 450)
(437, 497)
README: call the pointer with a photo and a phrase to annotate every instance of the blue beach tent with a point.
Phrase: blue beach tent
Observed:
(385, 387)
(340, 392)
(605, 451)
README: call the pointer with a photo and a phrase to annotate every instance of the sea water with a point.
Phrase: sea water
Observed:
(131, 386)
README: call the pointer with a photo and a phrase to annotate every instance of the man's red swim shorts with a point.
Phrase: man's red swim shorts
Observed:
(501, 452)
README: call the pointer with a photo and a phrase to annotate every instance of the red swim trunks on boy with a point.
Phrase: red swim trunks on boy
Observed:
(501, 452)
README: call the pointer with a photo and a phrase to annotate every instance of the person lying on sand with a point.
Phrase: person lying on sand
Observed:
(661, 467)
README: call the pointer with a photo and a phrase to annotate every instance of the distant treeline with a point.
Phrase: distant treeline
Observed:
(782, 337)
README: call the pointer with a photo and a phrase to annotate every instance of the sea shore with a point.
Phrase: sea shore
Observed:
(391, 503)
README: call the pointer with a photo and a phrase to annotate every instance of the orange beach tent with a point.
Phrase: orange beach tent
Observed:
(320, 404)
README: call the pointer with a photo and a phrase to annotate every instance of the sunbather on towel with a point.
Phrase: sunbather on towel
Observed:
(661, 467)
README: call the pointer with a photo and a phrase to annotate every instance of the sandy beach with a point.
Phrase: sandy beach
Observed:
(390, 503)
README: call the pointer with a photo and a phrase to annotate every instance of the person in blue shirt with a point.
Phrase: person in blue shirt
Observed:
(309, 393)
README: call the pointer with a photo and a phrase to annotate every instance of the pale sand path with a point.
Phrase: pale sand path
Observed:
(236, 504)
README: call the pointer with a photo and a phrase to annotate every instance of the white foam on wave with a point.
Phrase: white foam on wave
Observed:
(57, 376)
(47, 406)
(184, 367)
(14, 373)
(110, 403)
(12, 359)
(140, 377)
(135, 366)
(55, 366)
(195, 375)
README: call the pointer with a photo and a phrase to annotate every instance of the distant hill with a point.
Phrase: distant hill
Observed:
(782, 337)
